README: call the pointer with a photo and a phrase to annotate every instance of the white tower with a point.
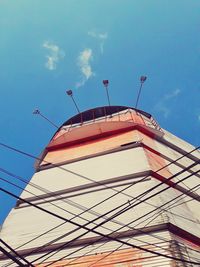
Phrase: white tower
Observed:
(125, 190)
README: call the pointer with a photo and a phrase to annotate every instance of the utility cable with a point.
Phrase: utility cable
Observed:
(26, 181)
(113, 216)
(108, 241)
(131, 237)
(84, 177)
(11, 256)
(117, 214)
(94, 231)
(173, 205)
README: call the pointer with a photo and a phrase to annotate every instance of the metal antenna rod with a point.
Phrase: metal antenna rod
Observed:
(37, 112)
(70, 93)
(106, 82)
(142, 80)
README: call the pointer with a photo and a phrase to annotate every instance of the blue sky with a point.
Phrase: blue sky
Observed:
(49, 46)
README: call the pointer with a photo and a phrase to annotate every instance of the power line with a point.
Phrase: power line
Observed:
(84, 177)
(103, 215)
(13, 258)
(63, 246)
(107, 241)
(94, 231)
(145, 226)
(29, 192)
(115, 215)
(170, 163)
(173, 204)
(177, 159)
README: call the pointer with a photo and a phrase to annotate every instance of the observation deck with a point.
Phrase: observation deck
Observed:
(94, 126)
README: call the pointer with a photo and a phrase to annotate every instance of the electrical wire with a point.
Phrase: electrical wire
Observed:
(94, 231)
(195, 188)
(12, 184)
(113, 216)
(119, 213)
(84, 177)
(144, 226)
(14, 252)
(62, 223)
(125, 188)
(108, 241)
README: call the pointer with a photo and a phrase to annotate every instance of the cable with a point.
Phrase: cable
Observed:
(11, 257)
(46, 190)
(33, 251)
(84, 177)
(19, 151)
(24, 153)
(131, 238)
(14, 252)
(107, 241)
(172, 205)
(75, 215)
(187, 168)
(117, 214)
(94, 231)
(164, 189)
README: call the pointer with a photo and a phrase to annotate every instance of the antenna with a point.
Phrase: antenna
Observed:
(37, 112)
(105, 83)
(70, 93)
(142, 80)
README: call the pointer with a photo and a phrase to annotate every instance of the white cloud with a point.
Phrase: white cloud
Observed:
(173, 94)
(164, 105)
(160, 107)
(55, 54)
(199, 117)
(100, 36)
(84, 60)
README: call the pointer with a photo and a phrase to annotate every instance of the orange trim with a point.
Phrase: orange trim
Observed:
(90, 138)
(124, 258)
(90, 147)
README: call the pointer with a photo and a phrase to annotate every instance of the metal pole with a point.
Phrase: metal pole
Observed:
(138, 96)
(48, 120)
(108, 95)
(70, 93)
(105, 83)
(39, 113)
(142, 80)
(75, 104)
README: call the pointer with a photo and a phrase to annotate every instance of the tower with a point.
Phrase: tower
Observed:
(121, 191)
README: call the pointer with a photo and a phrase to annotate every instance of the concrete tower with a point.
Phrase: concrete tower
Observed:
(126, 192)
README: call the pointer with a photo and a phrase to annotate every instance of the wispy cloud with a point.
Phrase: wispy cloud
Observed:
(163, 106)
(101, 37)
(83, 62)
(173, 94)
(199, 117)
(55, 54)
